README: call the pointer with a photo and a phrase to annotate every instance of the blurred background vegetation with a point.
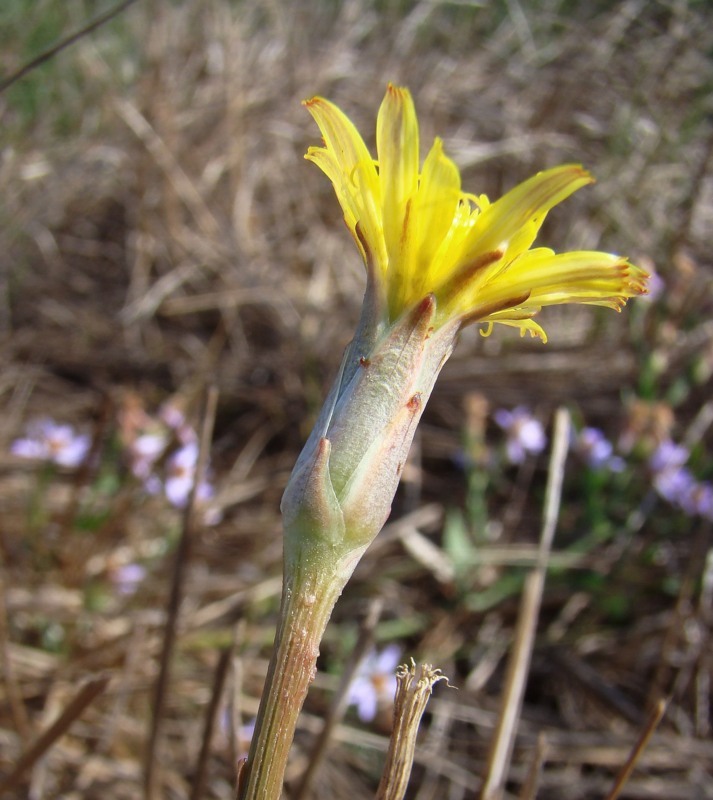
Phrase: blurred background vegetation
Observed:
(160, 233)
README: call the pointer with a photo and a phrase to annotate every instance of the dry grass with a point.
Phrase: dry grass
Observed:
(162, 234)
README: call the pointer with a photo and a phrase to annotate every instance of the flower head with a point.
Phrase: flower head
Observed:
(596, 450)
(437, 259)
(48, 441)
(419, 234)
(181, 469)
(375, 682)
(676, 483)
(128, 577)
(668, 456)
(145, 451)
(524, 433)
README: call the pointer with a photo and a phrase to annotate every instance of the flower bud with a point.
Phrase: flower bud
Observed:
(342, 487)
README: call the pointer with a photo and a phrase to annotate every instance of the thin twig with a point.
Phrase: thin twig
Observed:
(74, 708)
(221, 673)
(651, 724)
(519, 663)
(175, 597)
(51, 52)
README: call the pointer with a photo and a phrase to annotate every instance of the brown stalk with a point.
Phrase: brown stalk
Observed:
(151, 782)
(651, 724)
(221, 673)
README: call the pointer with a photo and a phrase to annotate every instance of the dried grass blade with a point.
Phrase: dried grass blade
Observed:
(519, 663)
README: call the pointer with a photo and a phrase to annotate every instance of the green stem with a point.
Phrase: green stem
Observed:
(308, 597)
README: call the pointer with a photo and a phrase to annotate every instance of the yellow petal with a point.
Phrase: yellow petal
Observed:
(340, 136)
(526, 204)
(397, 147)
(346, 161)
(580, 276)
(436, 204)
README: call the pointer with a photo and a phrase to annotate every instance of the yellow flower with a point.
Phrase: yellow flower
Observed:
(419, 234)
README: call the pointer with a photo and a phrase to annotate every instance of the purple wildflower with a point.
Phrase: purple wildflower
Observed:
(375, 682)
(670, 478)
(525, 434)
(674, 484)
(172, 416)
(144, 451)
(181, 476)
(698, 500)
(596, 450)
(162, 453)
(127, 578)
(48, 441)
(668, 455)
(176, 421)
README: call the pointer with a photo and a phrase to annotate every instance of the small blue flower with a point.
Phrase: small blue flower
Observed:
(127, 578)
(181, 476)
(596, 450)
(698, 500)
(145, 451)
(48, 441)
(375, 682)
(675, 483)
(668, 455)
(525, 434)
